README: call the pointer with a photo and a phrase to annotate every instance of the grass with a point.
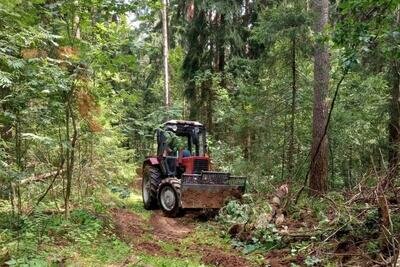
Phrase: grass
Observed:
(105, 250)
(207, 235)
(162, 261)
(135, 204)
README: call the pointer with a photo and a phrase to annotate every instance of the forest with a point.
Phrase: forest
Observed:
(302, 97)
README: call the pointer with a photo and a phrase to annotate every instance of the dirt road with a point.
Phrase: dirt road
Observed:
(186, 241)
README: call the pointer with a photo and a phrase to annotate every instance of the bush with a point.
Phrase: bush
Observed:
(235, 212)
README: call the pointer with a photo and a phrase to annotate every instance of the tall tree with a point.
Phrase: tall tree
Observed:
(319, 149)
(394, 110)
(164, 21)
(291, 149)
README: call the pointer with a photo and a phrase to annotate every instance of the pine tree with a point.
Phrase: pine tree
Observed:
(319, 149)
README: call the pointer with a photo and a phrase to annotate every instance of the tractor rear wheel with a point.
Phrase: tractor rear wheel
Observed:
(169, 197)
(150, 181)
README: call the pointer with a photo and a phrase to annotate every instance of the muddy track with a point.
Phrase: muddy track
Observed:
(131, 227)
(217, 257)
(128, 225)
(170, 228)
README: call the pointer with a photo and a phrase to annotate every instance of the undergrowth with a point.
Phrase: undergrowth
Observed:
(45, 239)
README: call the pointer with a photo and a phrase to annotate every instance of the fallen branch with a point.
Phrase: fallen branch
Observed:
(345, 254)
(36, 178)
(341, 227)
(58, 172)
(39, 178)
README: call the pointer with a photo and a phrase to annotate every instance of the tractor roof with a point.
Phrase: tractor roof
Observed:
(181, 127)
(183, 122)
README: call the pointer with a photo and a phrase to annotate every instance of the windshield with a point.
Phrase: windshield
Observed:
(197, 140)
(190, 142)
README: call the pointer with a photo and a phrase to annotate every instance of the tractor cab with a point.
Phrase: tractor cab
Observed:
(181, 148)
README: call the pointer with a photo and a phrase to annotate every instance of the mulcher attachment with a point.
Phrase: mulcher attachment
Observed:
(210, 190)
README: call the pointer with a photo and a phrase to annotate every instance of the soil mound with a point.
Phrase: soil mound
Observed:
(214, 256)
(128, 225)
(169, 228)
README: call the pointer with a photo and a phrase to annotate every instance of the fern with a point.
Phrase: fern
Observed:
(5, 79)
(41, 139)
(15, 64)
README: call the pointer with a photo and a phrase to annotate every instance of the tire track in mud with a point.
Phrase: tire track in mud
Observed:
(131, 228)
(170, 228)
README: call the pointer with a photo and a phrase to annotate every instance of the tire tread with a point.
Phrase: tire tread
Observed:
(155, 180)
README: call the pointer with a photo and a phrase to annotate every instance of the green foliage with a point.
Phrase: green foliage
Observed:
(235, 212)
(312, 261)
(122, 192)
(106, 250)
(165, 262)
(396, 222)
(262, 239)
(44, 239)
(283, 22)
(373, 247)
(225, 157)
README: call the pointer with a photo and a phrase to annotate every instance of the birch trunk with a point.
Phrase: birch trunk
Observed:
(164, 21)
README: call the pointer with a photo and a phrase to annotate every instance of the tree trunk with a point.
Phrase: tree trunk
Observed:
(284, 148)
(218, 66)
(18, 158)
(207, 89)
(319, 149)
(220, 45)
(68, 173)
(247, 147)
(291, 150)
(349, 180)
(5, 128)
(70, 151)
(198, 38)
(165, 52)
(394, 112)
(394, 124)
(76, 22)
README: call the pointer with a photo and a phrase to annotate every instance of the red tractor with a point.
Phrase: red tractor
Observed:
(179, 176)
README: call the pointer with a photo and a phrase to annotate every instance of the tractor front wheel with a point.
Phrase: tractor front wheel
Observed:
(150, 182)
(169, 197)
